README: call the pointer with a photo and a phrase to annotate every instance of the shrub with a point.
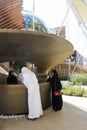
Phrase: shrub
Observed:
(74, 88)
(78, 79)
(85, 94)
(75, 91)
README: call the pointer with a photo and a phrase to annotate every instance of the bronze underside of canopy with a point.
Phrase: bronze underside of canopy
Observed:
(42, 49)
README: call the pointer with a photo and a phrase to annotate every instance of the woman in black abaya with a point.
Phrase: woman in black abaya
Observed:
(12, 79)
(55, 84)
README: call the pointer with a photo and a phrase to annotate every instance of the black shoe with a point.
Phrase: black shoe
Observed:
(32, 119)
(55, 109)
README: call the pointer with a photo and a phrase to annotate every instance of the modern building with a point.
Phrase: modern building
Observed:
(76, 28)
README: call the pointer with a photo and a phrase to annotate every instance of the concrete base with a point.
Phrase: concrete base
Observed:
(13, 98)
(71, 117)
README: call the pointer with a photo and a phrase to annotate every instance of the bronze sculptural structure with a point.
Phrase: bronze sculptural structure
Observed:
(42, 49)
(16, 44)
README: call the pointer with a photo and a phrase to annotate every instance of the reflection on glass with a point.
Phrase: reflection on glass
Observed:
(38, 23)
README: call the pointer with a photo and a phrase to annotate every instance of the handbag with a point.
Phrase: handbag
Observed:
(57, 93)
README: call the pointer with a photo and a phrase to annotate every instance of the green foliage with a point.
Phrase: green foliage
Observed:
(74, 90)
(78, 79)
(85, 94)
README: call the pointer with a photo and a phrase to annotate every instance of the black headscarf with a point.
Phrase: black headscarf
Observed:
(55, 81)
(11, 79)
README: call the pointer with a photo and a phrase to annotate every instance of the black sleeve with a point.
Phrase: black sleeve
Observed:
(49, 79)
(59, 85)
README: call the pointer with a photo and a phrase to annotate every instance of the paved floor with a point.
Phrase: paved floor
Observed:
(73, 116)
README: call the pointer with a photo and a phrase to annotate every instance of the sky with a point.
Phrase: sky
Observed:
(52, 12)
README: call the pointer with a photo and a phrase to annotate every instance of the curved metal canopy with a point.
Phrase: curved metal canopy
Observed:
(80, 10)
(42, 49)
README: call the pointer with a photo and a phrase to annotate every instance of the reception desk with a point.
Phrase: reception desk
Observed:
(13, 98)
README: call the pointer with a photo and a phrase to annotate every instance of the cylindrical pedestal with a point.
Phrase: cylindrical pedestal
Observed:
(13, 98)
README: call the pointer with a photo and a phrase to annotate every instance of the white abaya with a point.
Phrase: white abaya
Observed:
(34, 101)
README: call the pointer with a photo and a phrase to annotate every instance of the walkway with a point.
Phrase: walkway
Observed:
(73, 116)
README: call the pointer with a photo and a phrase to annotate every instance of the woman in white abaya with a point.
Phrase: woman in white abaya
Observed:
(34, 101)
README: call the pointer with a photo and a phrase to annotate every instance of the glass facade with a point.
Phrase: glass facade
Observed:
(39, 25)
